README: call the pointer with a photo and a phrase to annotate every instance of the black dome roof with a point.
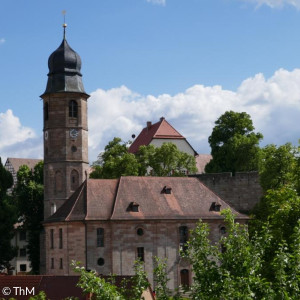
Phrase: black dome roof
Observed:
(64, 70)
(64, 60)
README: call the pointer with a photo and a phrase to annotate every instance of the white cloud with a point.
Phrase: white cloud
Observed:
(2, 41)
(15, 139)
(158, 2)
(276, 3)
(274, 105)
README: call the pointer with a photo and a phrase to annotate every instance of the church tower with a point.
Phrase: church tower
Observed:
(65, 128)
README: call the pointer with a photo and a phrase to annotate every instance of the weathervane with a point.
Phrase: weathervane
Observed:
(64, 25)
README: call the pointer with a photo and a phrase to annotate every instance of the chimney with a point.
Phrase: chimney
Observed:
(149, 124)
(162, 118)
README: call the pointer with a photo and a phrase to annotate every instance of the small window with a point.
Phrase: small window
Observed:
(46, 111)
(100, 237)
(23, 268)
(52, 263)
(100, 261)
(60, 238)
(22, 252)
(183, 237)
(73, 109)
(51, 238)
(140, 253)
(166, 190)
(23, 235)
(61, 263)
(74, 148)
(140, 231)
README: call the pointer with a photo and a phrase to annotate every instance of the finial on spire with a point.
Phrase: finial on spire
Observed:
(64, 25)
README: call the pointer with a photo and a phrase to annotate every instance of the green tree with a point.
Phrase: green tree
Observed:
(116, 161)
(8, 216)
(30, 196)
(279, 166)
(234, 272)
(160, 277)
(234, 144)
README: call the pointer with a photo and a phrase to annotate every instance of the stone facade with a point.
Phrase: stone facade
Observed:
(120, 248)
(242, 190)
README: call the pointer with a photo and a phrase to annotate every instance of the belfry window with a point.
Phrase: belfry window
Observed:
(74, 180)
(73, 109)
(46, 111)
(140, 253)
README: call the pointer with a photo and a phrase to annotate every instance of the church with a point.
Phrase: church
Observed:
(107, 224)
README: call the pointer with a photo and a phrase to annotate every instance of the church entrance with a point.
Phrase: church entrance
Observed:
(184, 278)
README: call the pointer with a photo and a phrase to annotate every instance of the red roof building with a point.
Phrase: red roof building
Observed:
(159, 133)
(107, 224)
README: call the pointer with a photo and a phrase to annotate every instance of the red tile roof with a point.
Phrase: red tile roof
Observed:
(159, 130)
(18, 162)
(109, 199)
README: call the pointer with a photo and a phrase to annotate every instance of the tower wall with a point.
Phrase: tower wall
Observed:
(65, 147)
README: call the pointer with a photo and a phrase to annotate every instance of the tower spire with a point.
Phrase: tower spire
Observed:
(64, 25)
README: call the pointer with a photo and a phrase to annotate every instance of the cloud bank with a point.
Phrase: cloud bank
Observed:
(273, 104)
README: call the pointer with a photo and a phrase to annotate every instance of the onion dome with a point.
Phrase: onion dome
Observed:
(64, 70)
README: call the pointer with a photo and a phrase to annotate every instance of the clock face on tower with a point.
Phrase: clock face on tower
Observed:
(73, 133)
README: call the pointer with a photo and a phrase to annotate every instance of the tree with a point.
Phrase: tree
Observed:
(234, 144)
(231, 268)
(116, 161)
(238, 271)
(8, 217)
(279, 166)
(30, 196)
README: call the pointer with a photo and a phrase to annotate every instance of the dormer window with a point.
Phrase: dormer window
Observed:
(166, 190)
(133, 206)
(215, 206)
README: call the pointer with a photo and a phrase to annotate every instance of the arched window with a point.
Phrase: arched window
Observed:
(58, 182)
(74, 180)
(46, 111)
(183, 237)
(73, 109)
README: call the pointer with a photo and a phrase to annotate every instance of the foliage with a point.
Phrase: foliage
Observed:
(40, 296)
(233, 273)
(8, 217)
(160, 278)
(91, 283)
(238, 272)
(30, 195)
(279, 166)
(139, 280)
(116, 161)
(234, 144)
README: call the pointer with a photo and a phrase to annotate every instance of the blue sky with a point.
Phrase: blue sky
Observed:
(187, 60)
